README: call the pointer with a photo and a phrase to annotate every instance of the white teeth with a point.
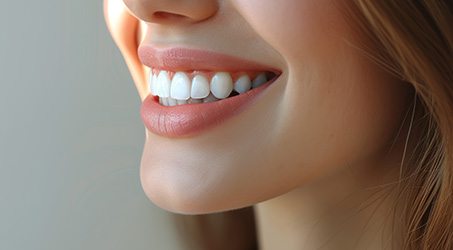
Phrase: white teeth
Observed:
(180, 90)
(164, 101)
(194, 100)
(200, 87)
(154, 89)
(259, 80)
(180, 86)
(179, 102)
(221, 85)
(151, 84)
(163, 84)
(242, 84)
(171, 101)
(210, 98)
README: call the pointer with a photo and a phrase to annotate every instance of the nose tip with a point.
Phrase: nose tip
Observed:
(172, 11)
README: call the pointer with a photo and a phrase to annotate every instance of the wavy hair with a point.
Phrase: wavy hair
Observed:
(413, 40)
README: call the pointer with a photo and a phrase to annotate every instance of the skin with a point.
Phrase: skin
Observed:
(319, 144)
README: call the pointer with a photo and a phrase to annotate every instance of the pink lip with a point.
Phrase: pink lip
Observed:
(182, 59)
(190, 119)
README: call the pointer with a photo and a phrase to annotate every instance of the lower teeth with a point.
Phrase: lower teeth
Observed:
(168, 101)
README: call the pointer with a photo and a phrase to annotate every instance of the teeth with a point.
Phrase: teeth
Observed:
(221, 85)
(259, 80)
(194, 100)
(180, 90)
(163, 84)
(242, 84)
(152, 84)
(200, 87)
(164, 101)
(179, 102)
(171, 101)
(210, 98)
(180, 86)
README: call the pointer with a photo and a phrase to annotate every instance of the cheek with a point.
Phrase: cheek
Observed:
(344, 120)
(338, 107)
(293, 27)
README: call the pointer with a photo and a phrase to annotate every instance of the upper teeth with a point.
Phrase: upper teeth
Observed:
(200, 87)
(180, 87)
(221, 85)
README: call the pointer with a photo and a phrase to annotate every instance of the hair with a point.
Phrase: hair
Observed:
(413, 40)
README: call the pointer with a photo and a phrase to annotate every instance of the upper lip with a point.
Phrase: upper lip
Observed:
(187, 59)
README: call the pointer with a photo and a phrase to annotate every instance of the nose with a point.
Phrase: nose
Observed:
(172, 11)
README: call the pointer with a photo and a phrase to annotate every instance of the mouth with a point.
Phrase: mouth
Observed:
(193, 90)
(180, 88)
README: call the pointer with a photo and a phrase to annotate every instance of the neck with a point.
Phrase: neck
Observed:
(349, 210)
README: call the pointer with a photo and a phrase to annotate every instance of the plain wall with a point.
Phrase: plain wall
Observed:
(70, 135)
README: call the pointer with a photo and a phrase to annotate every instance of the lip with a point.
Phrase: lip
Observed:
(191, 119)
(184, 59)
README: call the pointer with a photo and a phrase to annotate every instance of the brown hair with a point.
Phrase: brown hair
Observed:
(412, 39)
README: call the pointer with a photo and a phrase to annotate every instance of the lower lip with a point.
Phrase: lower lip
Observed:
(191, 119)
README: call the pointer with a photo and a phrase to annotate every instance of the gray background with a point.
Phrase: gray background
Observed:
(70, 135)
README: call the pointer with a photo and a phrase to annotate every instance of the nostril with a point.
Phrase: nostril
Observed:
(172, 11)
(167, 15)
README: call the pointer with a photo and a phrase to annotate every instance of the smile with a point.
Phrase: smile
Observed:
(193, 90)
(179, 88)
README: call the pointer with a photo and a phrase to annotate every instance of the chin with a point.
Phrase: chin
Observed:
(171, 188)
(183, 198)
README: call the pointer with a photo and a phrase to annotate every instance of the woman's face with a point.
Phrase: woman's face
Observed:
(330, 108)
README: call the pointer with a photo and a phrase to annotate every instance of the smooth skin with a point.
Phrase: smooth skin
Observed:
(311, 153)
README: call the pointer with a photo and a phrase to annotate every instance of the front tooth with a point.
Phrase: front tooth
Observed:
(163, 84)
(200, 87)
(180, 86)
(221, 85)
(242, 84)
(259, 80)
